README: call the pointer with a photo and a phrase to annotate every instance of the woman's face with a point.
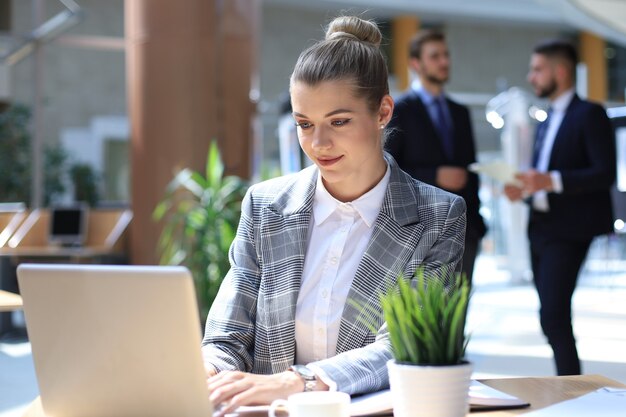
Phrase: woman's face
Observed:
(341, 135)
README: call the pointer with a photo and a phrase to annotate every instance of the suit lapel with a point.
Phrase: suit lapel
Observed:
(457, 134)
(429, 130)
(562, 134)
(394, 238)
(284, 235)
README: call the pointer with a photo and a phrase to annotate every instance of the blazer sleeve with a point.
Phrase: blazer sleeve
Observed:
(599, 142)
(230, 327)
(364, 369)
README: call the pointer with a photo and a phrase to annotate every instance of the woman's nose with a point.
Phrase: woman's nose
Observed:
(321, 139)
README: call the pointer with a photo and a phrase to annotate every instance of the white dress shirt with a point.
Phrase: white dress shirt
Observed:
(559, 107)
(337, 240)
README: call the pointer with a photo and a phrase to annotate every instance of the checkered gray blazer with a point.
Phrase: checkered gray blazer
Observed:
(251, 324)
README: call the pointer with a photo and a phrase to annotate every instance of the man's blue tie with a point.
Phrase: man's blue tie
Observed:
(540, 137)
(444, 128)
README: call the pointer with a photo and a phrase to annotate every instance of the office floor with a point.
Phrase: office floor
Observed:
(506, 338)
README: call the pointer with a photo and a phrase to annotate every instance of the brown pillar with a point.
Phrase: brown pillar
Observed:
(186, 86)
(403, 28)
(238, 88)
(592, 54)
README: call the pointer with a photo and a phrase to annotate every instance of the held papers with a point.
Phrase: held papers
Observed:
(498, 170)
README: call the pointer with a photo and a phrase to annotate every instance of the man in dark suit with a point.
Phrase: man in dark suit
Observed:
(431, 136)
(568, 189)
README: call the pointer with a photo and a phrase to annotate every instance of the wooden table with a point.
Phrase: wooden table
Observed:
(9, 301)
(539, 392)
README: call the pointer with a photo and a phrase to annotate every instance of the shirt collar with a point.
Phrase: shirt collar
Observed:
(368, 205)
(426, 96)
(561, 102)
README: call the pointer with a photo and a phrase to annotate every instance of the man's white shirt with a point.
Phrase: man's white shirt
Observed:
(559, 107)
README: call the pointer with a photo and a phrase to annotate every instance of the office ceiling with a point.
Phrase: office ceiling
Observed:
(606, 18)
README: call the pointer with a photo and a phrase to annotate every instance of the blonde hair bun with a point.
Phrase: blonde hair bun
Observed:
(355, 28)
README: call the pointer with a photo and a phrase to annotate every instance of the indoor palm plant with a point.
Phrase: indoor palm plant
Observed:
(201, 214)
(426, 322)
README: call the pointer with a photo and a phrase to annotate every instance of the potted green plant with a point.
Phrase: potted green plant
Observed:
(85, 182)
(201, 214)
(429, 375)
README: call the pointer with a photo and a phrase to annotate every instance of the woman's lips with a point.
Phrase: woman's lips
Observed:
(328, 161)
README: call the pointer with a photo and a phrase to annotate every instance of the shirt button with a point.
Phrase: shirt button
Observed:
(324, 294)
(320, 330)
(333, 260)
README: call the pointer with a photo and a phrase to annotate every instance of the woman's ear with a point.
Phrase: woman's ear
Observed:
(386, 110)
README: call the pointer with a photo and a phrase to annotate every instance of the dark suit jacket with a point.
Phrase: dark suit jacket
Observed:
(416, 146)
(584, 154)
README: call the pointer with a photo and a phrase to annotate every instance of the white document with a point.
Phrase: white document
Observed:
(481, 397)
(498, 170)
(605, 402)
(375, 403)
(484, 397)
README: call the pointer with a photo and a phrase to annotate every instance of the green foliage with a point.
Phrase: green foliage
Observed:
(16, 159)
(85, 183)
(15, 155)
(425, 319)
(54, 168)
(201, 215)
(426, 322)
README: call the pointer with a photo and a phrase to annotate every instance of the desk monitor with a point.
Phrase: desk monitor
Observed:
(68, 225)
(115, 340)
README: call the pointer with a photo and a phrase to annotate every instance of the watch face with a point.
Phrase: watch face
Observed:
(304, 371)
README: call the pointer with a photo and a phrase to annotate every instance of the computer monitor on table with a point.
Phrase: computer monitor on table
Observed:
(68, 225)
(115, 340)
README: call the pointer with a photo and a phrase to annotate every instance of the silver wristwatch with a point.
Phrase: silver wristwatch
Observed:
(307, 375)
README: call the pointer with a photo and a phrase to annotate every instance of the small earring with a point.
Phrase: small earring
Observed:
(382, 126)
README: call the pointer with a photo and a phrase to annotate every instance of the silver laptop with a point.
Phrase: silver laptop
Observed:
(115, 340)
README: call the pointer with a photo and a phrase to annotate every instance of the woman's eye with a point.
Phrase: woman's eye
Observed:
(338, 123)
(303, 125)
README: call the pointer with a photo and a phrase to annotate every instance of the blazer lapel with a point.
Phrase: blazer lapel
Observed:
(394, 238)
(562, 134)
(284, 240)
(429, 125)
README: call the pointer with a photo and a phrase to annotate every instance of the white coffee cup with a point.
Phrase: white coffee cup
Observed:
(314, 404)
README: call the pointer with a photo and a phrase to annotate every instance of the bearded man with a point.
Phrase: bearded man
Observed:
(568, 189)
(431, 135)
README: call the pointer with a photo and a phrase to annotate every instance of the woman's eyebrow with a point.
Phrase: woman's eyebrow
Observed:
(332, 113)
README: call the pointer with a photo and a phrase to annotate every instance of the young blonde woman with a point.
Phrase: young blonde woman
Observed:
(314, 246)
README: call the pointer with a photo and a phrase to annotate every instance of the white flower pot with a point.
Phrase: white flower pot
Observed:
(429, 391)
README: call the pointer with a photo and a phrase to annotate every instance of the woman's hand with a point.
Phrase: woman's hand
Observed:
(232, 389)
